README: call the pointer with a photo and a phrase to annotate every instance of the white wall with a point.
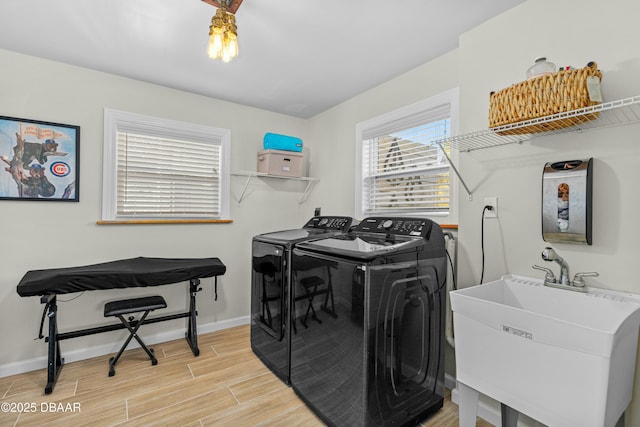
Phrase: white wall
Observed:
(577, 32)
(333, 132)
(496, 55)
(39, 235)
(491, 57)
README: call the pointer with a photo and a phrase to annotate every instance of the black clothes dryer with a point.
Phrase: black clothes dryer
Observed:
(270, 288)
(378, 361)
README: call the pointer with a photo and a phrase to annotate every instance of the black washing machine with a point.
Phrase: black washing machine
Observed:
(271, 300)
(378, 359)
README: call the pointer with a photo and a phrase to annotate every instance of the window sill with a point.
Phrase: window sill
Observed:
(167, 221)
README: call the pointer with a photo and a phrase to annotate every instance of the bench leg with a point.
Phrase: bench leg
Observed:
(325, 307)
(132, 334)
(310, 296)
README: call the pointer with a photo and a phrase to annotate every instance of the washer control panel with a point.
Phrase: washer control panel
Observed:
(396, 225)
(340, 223)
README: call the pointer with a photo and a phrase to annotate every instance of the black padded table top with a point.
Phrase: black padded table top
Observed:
(127, 273)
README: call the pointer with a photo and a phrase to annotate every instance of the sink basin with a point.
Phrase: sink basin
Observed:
(563, 358)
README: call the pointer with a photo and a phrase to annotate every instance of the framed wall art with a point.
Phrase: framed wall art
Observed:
(40, 160)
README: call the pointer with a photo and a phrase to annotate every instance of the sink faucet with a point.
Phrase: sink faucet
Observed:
(548, 254)
(577, 284)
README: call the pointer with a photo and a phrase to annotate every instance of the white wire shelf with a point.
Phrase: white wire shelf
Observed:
(608, 114)
(310, 181)
(266, 175)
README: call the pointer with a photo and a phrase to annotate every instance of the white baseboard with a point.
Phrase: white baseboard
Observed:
(87, 353)
(449, 381)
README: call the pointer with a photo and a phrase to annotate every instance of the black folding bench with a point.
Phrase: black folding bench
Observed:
(129, 306)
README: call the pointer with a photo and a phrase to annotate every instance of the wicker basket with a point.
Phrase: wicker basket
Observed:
(543, 96)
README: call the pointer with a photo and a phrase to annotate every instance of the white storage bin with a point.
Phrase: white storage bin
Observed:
(281, 163)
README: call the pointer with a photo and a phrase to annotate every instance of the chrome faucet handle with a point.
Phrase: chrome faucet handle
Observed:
(549, 276)
(578, 278)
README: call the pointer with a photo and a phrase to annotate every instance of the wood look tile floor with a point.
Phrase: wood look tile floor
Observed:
(226, 385)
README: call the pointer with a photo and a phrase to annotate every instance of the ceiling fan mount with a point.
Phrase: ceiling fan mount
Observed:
(233, 4)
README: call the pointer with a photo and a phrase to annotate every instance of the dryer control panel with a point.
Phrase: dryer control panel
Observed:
(339, 223)
(396, 225)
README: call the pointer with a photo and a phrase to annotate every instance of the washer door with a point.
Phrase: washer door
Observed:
(405, 341)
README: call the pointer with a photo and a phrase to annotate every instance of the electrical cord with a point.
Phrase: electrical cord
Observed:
(486, 208)
(71, 299)
(453, 273)
(44, 313)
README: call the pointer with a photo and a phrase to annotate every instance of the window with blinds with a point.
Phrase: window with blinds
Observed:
(403, 169)
(159, 169)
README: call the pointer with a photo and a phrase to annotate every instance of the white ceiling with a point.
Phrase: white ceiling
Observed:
(296, 57)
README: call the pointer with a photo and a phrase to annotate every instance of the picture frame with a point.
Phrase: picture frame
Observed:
(40, 160)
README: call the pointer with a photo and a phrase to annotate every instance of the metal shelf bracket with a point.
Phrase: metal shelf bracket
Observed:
(310, 183)
(456, 171)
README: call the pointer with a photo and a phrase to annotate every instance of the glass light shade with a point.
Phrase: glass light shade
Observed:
(231, 44)
(216, 37)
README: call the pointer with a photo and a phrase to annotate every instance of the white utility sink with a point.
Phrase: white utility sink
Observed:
(563, 358)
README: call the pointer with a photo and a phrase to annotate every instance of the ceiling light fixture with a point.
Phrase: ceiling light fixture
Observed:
(223, 32)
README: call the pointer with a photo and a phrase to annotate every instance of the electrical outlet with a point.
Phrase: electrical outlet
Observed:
(493, 202)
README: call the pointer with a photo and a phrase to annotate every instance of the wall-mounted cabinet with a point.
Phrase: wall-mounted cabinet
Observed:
(250, 175)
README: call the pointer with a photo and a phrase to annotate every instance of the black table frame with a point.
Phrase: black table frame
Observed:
(55, 360)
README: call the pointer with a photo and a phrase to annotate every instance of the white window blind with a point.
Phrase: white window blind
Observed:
(160, 169)
(164, 176)
(402, 168)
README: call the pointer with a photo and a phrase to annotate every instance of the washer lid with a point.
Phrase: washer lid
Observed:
(363, 246)
(316, 226)
(291, 236)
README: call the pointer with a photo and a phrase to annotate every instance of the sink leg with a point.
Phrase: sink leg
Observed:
(508, 415)
(467, 405)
